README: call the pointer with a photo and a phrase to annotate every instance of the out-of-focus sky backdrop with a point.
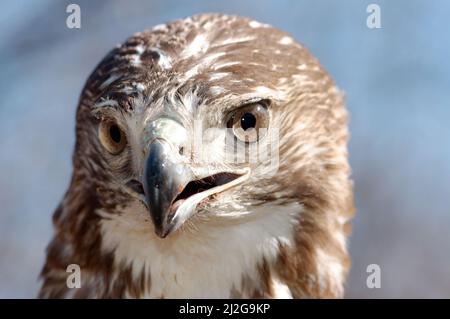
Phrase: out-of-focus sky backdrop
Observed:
(397, 83)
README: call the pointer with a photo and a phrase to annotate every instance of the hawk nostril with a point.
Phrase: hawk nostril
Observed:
(181, 150)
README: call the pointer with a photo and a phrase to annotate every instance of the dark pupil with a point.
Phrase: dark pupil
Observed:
(114, 132)
(248, 120)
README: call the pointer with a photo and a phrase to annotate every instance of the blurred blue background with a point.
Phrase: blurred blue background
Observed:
(397, 83)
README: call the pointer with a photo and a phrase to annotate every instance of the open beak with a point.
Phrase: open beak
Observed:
(172, 190)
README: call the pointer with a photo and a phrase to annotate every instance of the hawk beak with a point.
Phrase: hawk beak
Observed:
(172, 192)
(164, 179)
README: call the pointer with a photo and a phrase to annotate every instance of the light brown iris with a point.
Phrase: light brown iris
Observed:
(250, 122)
(111, 136)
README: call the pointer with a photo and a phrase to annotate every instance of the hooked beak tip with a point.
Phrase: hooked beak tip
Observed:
(161, 233)
(164, 178)
(165, 226)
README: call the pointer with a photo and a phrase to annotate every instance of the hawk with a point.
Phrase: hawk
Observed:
(171, 195)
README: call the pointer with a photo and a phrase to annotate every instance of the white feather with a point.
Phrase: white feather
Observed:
(206, 263)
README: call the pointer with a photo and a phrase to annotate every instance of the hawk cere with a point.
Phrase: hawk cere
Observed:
(149, 213)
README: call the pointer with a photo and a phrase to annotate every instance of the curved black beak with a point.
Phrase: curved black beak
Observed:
(164, 178)
(169, 185)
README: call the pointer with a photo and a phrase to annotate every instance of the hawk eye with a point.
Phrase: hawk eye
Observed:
(112, 136)
(249, 123)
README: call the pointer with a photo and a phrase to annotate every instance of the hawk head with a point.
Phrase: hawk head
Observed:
(214, 131)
